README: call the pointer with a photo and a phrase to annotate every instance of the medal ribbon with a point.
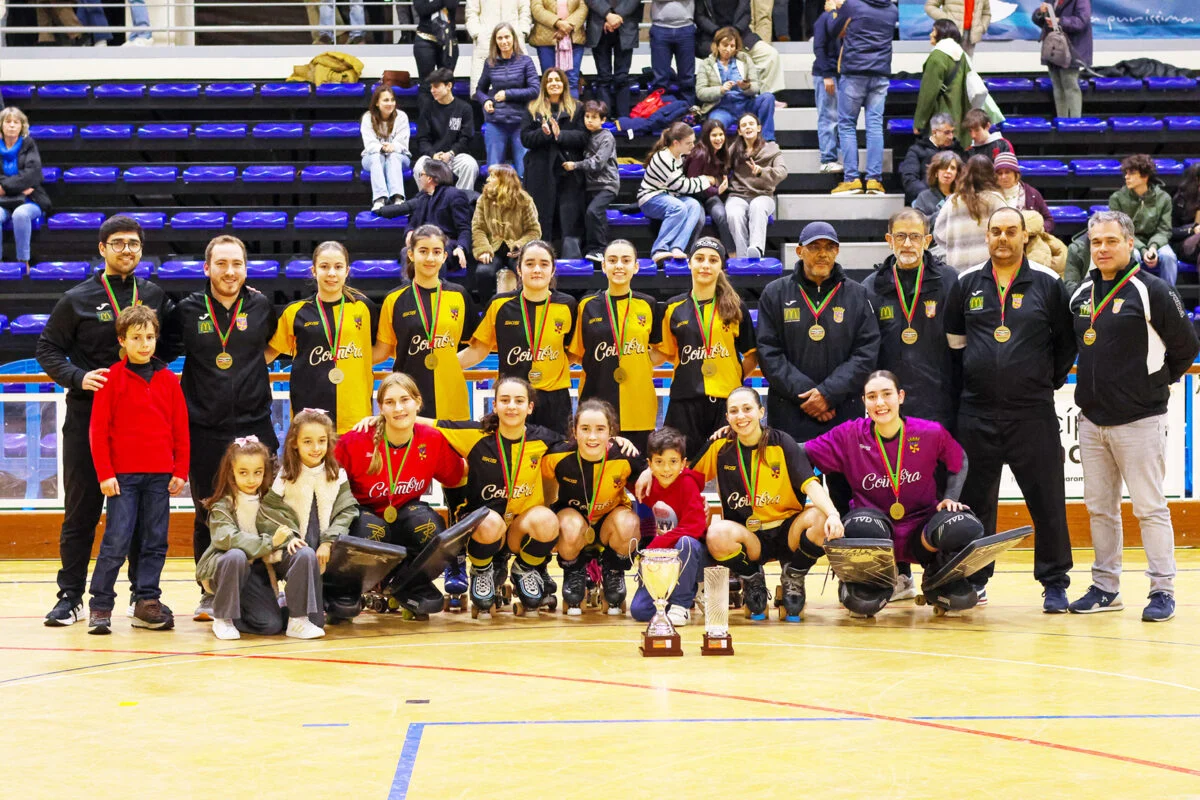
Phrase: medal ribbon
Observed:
(893, 475)
(1097, 309)
(750, 477)
(817, 310)
(335, 341)
(618, 332)
(212, 314)
(400, 472)
(429, 325)
(112, 298)
(534, 344)
(1002, 294)
(906, 308)
(591, 499)
(510, 472)
(706, 336)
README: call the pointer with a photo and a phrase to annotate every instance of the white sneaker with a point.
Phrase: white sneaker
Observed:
(302, 628)
(905, 590)
(679, 616)
(129, 611)
(379, 203)
(831, 166)
(141, 41)
(224, 629)
(100, 43)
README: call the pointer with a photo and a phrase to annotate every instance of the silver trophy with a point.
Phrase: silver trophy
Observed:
(717, 641)
(659, 569)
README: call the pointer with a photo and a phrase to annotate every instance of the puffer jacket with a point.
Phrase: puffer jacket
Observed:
(866, 28)
(955, 10)
(545, 14)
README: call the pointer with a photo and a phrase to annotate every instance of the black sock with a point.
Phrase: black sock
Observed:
(804, 556)
(740, 564)
(610, 559)
(534, 552)
(480, 555)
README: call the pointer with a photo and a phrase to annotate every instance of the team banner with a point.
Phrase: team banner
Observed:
(1111, 19)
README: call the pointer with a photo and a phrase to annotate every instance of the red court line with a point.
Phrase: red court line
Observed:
(1004, 737)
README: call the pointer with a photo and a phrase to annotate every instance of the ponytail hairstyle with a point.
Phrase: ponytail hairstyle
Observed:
(349, 293)
(728, 302)
(424, 232)
(291, 452)
(406, 384)
(675, 132)
(883, 373)
(491, 420)
(761, 450)
(596, 404)
(537, 244)
(225, 484)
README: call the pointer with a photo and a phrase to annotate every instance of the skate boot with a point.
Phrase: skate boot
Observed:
(454, 579)
(527, 582)
(614, 591)
(483, 590)
(754, 594)
(549, 587)
(790, 597)
(574, 586)
(735, 591)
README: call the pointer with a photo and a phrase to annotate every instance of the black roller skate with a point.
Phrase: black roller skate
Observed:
(789, 596)
(549, 587)
(483, 590)
(574, 586)
(530, 590)
(614, 591)
(735, 591)
(454, 579)
(754, 593)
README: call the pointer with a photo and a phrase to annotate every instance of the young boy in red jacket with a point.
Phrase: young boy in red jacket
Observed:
(139, 438)
(681, 518)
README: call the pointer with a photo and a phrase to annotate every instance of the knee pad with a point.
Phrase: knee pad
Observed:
(866, 523)
(418, 521)
(864, 599)
(951, 531)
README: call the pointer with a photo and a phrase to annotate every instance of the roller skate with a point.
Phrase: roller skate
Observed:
(376, 601)
(595, 576)
(530, 589)
(454, 579)
(483, 591)
(419, 598)
(789, 595)
(575, 586)
(613, 601)
(549, 587)
(754, 593)
(500, 579)
(735, 591)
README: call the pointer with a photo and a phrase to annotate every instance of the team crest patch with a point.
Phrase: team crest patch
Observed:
(641, 318)
(534, 460)
(422, 451)
(914, 445)
(618, 482)
(358, 322)
(839, 314)
(774, 469)
(454, 314)
(791, 315)
(1017, 299)
(104, 313)
(242, 322)
(204, 325)
(976, 304)
(930, 309)
(1085, 310)
(558, 326)
(1117, 303)
(887, 312)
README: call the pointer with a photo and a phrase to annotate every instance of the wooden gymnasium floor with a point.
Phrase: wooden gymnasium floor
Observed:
(1004, 703)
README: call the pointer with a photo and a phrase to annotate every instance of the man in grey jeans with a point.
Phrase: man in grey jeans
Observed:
(1134, 341)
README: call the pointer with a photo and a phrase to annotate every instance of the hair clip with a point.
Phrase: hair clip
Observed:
(242, 441)
(313, 410)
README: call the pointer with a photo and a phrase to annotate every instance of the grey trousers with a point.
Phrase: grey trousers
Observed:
(748, 223)
(1137, 453)
(1068, 97)
(243, 591)
(463, 165)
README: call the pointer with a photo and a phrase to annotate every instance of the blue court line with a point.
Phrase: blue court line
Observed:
(326, 725)
(408, 759)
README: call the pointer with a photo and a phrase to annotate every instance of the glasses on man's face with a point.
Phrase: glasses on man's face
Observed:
(901, 238)
(121, 245)
(943, 133)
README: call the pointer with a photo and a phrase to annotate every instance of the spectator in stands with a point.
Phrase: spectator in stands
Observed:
(1075, 17)
(865, 28)
(664, 193)
(445, 129)
(984, 142)
(436, 44)
(728, 84)
(1185, 216)
(559, 36)
(940, 177)
(483, 16)
(943, 81)
(673, 36)
(599, 166)
(710, 157)
(713, 16)
(385, 152)
(756, 170)
(509, 80)
(439, 203)
(915, 165)
(357, 20)
(1019, 194)
(91, 15)
(55, 12)
(505, 220)
(962, 225)
(955, 12)
(22, 197)
(1043, 248)
(552, 132)
(825, 73)
(141, 36)
(612, 34)
(1149, 206)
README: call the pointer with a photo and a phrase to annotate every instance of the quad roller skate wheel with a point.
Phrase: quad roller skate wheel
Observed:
(938, 611)
(409, 616)
(518, 609)
(735, 599)
(551, 603)
(572, 611)
(919, 600)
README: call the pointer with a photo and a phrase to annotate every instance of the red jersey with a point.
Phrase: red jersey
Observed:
(688, 514)
(427, 457)
(140, 426)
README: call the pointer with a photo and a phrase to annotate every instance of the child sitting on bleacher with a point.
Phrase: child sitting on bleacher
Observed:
(603, 180)
(984, 142)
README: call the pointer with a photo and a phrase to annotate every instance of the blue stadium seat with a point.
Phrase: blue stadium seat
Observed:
(198, 220)
(1118, 84)
(119, 91)
(899, 127)
(1168, 166)
(574, 267)
(229, 90)
(321, 219)
(262, 269)
(1081, 124)
(1179, 83)
(1136, 124)
(631, 170)
(207, 174)
(28, 324)
(164, 130)
(259, 173)
(454, 272)
(334, 130)
(51, 174)
(76, 221)
(59, 270)
(150, 220)
(278, 130)
(90, 175)
(151, 174)
(1173, 123)
(293, 89)
(10, 271)
(176, 91)
(620, 218)
(904, 86)
(1043, 166)
(260, 220)
(221, 130)
(331, 173)
(646, 265)
(1045, 85)
(381, 268)
(180, 270)
(1068, 214)
(1000, 85)
(8, 225)
(1097, 209)
(17, 91)
(1027, 125)
(676, 266)
(340, 90)
(3, 322)
(144, 268)
(769, 267)
(52, 131)
(754, 316)
(1096, 166)
(64, 91)
(298, 268)
(368, 220)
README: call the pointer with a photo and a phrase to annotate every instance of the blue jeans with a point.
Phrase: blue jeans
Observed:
(681, 218)
(691, 554)
(659, 120)
(23, 217)
(498, 139)
(546, 55)
(387, 173)
(729, 110)
(679, 43)
(827, 121)
(856, 92)
(144, 506)
(1168, 264)
(327, 14)
(141, 19)
(91, 15)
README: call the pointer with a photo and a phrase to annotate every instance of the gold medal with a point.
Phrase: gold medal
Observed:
(1002, 334)
(224, 361)
(589, 535)
(1089, 336)
(620, 375)
(816, 333)
(389, 514)
(897, 510)
(336, 376)
(709, 369)
(535, 375)
(753, 524)
(509, 517)
(909, 335)
(431, 361)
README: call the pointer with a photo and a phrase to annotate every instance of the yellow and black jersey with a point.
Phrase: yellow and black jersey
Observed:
(303, 335)
(683, 343)
(487, 485)
(508, 325)
(779, 478)
(403, 325)
(595, 345)
(603, 481)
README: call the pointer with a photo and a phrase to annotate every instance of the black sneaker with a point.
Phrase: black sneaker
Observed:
(100, 622)
(152, 615)
(65, 612)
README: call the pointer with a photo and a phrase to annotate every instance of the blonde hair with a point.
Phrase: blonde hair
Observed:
(13, 111)
(540, 107)
(406, 383)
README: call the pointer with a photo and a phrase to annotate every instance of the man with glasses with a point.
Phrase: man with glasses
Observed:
(76, 348)
(916, 161)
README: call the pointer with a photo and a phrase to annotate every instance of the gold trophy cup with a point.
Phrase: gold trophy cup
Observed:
(660, 573)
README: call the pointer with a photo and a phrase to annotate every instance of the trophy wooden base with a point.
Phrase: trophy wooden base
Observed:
(717, 645)
(660, 646)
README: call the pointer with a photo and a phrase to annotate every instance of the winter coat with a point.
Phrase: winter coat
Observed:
(545, 14)
(599, 164)
(929, 203)
(398, 138)
(915, 165)
(630, 11)
(955, 10)
(963, 239)
(697, 163)
(866, 28)
(450, 209)
(427, 9)
(712, 15)
(745, 184)
(29, 176)
(491, 229)
(1075, 17)
(482, 17)
(289, 504)
(994, 146)
(228, 534)
(708, 80)
(1151, 214)
(825, 46)
(1043, 248)
(547, 182)
(518, 78)
(944, 88)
